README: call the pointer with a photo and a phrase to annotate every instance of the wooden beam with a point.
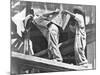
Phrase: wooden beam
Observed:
(66, 22)
(41, 63)
(41, 52)
(68, 12)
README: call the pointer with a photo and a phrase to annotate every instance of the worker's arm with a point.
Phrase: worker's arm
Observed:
(80, 19)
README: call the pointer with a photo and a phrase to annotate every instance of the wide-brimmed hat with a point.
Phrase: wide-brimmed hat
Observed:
(78, 9)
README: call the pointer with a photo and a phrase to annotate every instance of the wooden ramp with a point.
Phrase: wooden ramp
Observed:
(46, 64)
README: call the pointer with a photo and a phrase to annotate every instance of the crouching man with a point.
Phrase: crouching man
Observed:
(53, 43)
(29, 22)
(80, 36)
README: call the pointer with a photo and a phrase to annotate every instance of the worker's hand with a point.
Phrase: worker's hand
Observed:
(80, 19)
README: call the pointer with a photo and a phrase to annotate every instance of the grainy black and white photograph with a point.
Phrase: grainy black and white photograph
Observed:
(52, 37)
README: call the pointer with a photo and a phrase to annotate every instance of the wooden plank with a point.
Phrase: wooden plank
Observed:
(66, 22)
(41, 52)
(68, 12)
(42, 63)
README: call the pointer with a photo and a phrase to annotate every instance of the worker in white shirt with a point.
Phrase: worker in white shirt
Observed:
(53, 43)
(29, 21)
(80, 36)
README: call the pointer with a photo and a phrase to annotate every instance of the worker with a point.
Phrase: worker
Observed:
(28, 36)
(80, 35)
(29, 21)
(53, 43)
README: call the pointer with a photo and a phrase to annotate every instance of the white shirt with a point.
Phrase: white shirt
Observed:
(80, 28)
